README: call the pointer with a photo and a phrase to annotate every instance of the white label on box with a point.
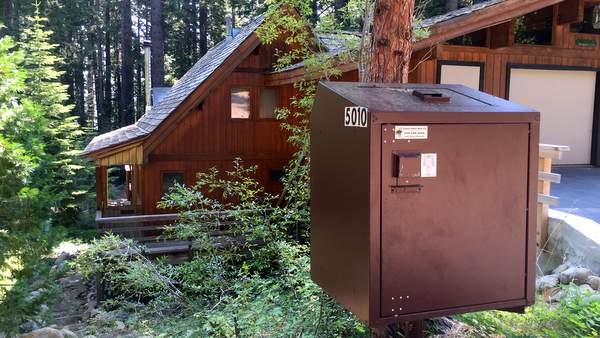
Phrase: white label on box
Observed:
(356, 117)
(411, 132)
(429, 165)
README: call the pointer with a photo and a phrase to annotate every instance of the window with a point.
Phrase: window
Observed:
(240, 103)
(589, 21)
(535, 28)
(268, 103)
(169, 180)
(478, 38)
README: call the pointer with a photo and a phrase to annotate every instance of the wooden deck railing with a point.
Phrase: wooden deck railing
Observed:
(548, 153)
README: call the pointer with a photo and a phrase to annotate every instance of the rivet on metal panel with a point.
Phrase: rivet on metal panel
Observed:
(400, 309)
(384, 141)
(392, 298)
(393, 310)
(400, 297)
(384, 129)
(407, 297)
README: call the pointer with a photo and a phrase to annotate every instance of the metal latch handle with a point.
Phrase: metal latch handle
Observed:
(410, 188)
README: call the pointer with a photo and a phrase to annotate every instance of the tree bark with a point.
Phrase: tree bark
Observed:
(108, 95)
(79, 88)
(98, 70)
(158, 44)
(314, 17)
(139, 71)
(127, 107)
(451, 5)
(8, 16)
(203, 29)
(391, 41)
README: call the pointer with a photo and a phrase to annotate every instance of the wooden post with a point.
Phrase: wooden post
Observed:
(101, 188)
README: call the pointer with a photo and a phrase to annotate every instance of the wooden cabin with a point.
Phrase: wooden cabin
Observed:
(540, 53)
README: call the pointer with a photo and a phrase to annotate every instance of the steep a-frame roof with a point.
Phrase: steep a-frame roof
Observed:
(200, 72)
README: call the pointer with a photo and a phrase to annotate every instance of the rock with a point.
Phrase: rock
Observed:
(561, 268)
(29, 326)
(46, 332)
(574, 275)
(68, 333)
(556, 296)
(546, 282)
(63, 257)
(594, 282)
(120, 325)
(586, 290)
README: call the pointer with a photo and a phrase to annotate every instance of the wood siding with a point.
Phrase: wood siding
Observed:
(564, 52)
(208, 137)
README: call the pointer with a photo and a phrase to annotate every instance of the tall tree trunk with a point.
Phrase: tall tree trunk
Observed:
(203, 29)
(391, 41)
(451, 5)
(139, 70)
(127, 107)
(314, 16)
(98, 70)
(194, 30)
(108, 95)
(9, 16)
(158, 44)
(90, 106)
(79, 88)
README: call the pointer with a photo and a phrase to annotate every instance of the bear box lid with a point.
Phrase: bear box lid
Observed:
(441, 98)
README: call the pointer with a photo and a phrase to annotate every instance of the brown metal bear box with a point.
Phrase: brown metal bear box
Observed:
(423, 200)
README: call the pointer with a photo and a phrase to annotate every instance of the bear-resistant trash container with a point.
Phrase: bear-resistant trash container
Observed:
(423, 200)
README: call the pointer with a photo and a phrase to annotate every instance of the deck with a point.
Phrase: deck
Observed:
(579, 191)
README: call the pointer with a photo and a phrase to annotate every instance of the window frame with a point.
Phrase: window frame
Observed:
(162, 179)
(250, 103)
(275, 107)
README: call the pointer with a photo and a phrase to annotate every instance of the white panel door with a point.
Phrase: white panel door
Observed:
(565, 99)
(460, 74)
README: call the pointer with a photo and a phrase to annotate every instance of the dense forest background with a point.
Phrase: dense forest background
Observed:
(101, 42)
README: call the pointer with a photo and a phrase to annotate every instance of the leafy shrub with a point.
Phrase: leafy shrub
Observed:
(576, 315)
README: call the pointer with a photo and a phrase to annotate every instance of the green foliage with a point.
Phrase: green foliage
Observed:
(40, 172)
(576, 315)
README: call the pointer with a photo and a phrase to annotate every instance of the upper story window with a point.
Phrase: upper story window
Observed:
(591, 20)
(535, 28)
(268, 103)
(240, 103)
(170, 179)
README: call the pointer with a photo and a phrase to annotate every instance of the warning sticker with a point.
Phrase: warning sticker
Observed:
(411, 132)
(429, 165)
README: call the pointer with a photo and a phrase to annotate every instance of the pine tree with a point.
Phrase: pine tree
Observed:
(57, 175)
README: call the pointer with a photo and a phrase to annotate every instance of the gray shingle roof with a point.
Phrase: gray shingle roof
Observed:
(178, 93)
(458, 13)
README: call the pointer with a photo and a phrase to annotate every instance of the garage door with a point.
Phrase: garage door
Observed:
(468, 75)
(565, 99)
